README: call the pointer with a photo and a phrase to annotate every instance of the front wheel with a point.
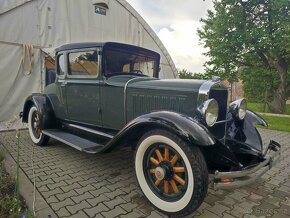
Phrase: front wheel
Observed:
(35, 130)
(171, 173)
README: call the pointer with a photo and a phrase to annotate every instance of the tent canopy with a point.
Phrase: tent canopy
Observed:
(29, 26)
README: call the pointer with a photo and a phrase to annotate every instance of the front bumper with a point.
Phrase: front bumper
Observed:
(235, 179)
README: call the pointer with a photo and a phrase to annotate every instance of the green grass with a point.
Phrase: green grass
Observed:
(259, 107)
(277, 123)
(8, 202)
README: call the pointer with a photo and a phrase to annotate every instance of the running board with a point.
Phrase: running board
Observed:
(108, 136)
(74, 141)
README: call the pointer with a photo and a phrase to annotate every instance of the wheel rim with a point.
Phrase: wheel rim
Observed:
(35, 125)
(166, 172)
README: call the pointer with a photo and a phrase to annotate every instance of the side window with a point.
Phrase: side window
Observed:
(50, 73)
(83, 64)
(61, 63)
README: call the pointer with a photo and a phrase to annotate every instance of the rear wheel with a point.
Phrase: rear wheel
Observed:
(171, 173)
(35, 130)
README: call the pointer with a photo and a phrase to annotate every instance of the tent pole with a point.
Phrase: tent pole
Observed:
(21, 44)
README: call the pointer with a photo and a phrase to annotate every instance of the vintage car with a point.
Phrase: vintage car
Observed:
(184, 133)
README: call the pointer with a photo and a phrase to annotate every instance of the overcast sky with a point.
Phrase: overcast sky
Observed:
(176, 22)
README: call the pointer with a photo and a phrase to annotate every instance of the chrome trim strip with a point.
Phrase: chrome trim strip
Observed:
(222, 121)
(204, 90)
(91, 131)
(125, 94)
(125, 97)
(81, 81)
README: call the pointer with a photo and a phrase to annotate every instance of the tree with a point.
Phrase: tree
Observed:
(249, 33)
(258, 85)
(185, 74)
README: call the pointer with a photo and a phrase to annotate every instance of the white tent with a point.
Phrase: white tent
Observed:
(29, 27)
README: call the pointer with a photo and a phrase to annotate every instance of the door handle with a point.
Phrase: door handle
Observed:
(63, 83)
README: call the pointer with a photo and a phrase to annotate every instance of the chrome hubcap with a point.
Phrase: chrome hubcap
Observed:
(159, 173)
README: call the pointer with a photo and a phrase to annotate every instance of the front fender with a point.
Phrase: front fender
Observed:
(181, 125)
(44, 106)
(245, 131)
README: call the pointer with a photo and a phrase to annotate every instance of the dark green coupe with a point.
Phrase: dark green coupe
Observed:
(105, 95)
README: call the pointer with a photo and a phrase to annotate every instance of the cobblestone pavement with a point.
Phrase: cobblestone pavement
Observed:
(77, 184)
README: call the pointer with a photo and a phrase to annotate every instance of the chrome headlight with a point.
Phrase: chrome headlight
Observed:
(239, 108)
(209, 110)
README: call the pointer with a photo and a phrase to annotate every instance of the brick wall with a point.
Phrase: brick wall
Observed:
(237, 90)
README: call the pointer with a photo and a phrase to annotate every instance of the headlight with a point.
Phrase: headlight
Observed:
(239, 108)
(242, 109)
(209, 110)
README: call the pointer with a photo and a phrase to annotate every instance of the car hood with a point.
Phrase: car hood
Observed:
(154, 83)
(169, 84)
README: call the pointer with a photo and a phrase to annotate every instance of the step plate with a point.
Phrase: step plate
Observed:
(74, 141)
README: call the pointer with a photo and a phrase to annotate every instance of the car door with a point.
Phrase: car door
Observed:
(57, 93)
(82, 86)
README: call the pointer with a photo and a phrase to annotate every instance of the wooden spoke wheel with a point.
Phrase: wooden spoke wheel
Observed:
(171, 173)
(35, 130)
(166, 171)
(36, 124)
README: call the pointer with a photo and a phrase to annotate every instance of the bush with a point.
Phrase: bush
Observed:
(8, 206)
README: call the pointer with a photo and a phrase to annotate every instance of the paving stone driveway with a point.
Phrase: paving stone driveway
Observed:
(77, 184)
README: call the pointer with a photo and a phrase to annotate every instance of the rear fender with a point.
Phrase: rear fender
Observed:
(183, 126)
(44, 106)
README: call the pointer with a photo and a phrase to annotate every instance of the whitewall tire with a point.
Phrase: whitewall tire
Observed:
(35, 131)
(171, 173)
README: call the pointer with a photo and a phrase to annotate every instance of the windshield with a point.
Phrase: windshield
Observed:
(120, 61)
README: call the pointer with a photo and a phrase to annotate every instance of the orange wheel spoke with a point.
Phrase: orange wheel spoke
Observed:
(152, 171)
(178, 179)
(166, 187)
(178, 169)
(166, 154)
(157, 182)
(154, 161)
(159, 155)
(174, 187)
(174, 160)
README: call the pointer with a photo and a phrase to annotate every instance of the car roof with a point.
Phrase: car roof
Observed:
(79, 45)
(82, 45)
